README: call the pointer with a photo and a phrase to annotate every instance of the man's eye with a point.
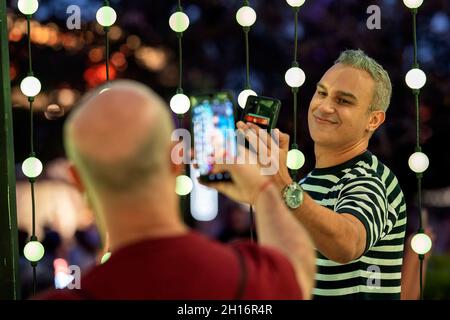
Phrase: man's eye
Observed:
(321, 93)
(344, 101)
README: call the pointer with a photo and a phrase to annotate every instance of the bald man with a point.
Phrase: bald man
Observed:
(119, 144)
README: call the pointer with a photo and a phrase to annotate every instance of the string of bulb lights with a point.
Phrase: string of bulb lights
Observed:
(295, 78)
(418, 162)
(32, 167)
(246, 17)
(180, 103)
(106, 16)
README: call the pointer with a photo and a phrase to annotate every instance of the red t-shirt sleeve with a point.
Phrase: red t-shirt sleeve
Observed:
(270, 275)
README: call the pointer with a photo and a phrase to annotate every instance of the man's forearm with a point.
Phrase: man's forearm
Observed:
(334, 236)
(277, 228)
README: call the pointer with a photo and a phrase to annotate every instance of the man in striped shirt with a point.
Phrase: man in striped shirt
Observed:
(352, 204)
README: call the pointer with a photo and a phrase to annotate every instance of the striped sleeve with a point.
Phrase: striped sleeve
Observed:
(364, 196)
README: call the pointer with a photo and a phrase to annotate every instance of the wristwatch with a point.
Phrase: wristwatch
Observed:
(292, 195)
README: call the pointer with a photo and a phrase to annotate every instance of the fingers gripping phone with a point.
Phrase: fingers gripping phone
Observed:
(262, 111)
(213, 127)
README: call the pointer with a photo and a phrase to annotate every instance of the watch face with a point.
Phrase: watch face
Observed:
(294, 196)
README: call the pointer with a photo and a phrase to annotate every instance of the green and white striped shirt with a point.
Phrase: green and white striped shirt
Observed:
(367, 189)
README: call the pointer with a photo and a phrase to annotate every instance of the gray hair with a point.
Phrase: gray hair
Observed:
(383, 88)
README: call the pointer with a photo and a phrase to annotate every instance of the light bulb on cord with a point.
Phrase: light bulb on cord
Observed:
(418, 162)
(179, 21)
(180, 103)
(421, 243)
(415, 78)
(413, 4)
(33, 251)
(295, 3)
(295, 159)
(106, 16)
(243, 96)
(183, 185)
(246, 16)
(30, 86)
(28, 7)
(105, 257)
(32, 167)
(295, 77)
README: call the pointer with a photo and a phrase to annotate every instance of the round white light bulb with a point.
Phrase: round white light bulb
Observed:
(180, 103)
(105, 257)
(184, 185)
(28, 6)
(295, 159)
(295, 77)
(415, 78)
(33, 251)
(242, 97)
(421, 243)
(30, 86)
(32, 167)
(412, 4)
(246, 16)
(418, 162)
(106, 16)
(295, 3)
(179, 21)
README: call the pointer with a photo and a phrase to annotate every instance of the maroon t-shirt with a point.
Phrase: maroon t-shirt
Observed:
(184, 267)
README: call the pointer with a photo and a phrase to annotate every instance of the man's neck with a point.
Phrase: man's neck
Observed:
(330, 156)
(136, 221)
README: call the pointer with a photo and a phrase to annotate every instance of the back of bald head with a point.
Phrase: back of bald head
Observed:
(119, 139)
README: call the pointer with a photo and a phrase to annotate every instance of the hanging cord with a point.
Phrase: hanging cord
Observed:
(32, 153)
(295, 90)
(418, 149)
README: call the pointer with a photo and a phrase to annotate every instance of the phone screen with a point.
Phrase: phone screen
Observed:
(214, 131)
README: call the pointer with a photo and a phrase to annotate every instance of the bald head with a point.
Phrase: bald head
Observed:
(119, 139)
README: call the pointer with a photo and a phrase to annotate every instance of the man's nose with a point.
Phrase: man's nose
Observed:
(326, 106)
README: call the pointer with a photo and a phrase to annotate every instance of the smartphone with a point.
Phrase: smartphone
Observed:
(262, 111)
(213, 127)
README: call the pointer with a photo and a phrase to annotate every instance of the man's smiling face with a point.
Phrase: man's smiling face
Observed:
(339, 113)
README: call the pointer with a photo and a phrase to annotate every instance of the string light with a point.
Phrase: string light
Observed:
(421, 243)
(243, 96)
(295, 159)
(246, 16)
(106, 16)
(183, 185)
(295, 78)
(295, 3)
(105, 257)
(413, 4)
(180, 103)
(179, 21)
(32, 167)
(415, 78)
(418, 161)
(33, 251)
(28, 7)
(30, 86)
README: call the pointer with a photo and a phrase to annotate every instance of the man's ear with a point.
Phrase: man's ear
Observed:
(75, 176)
(376, 119)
